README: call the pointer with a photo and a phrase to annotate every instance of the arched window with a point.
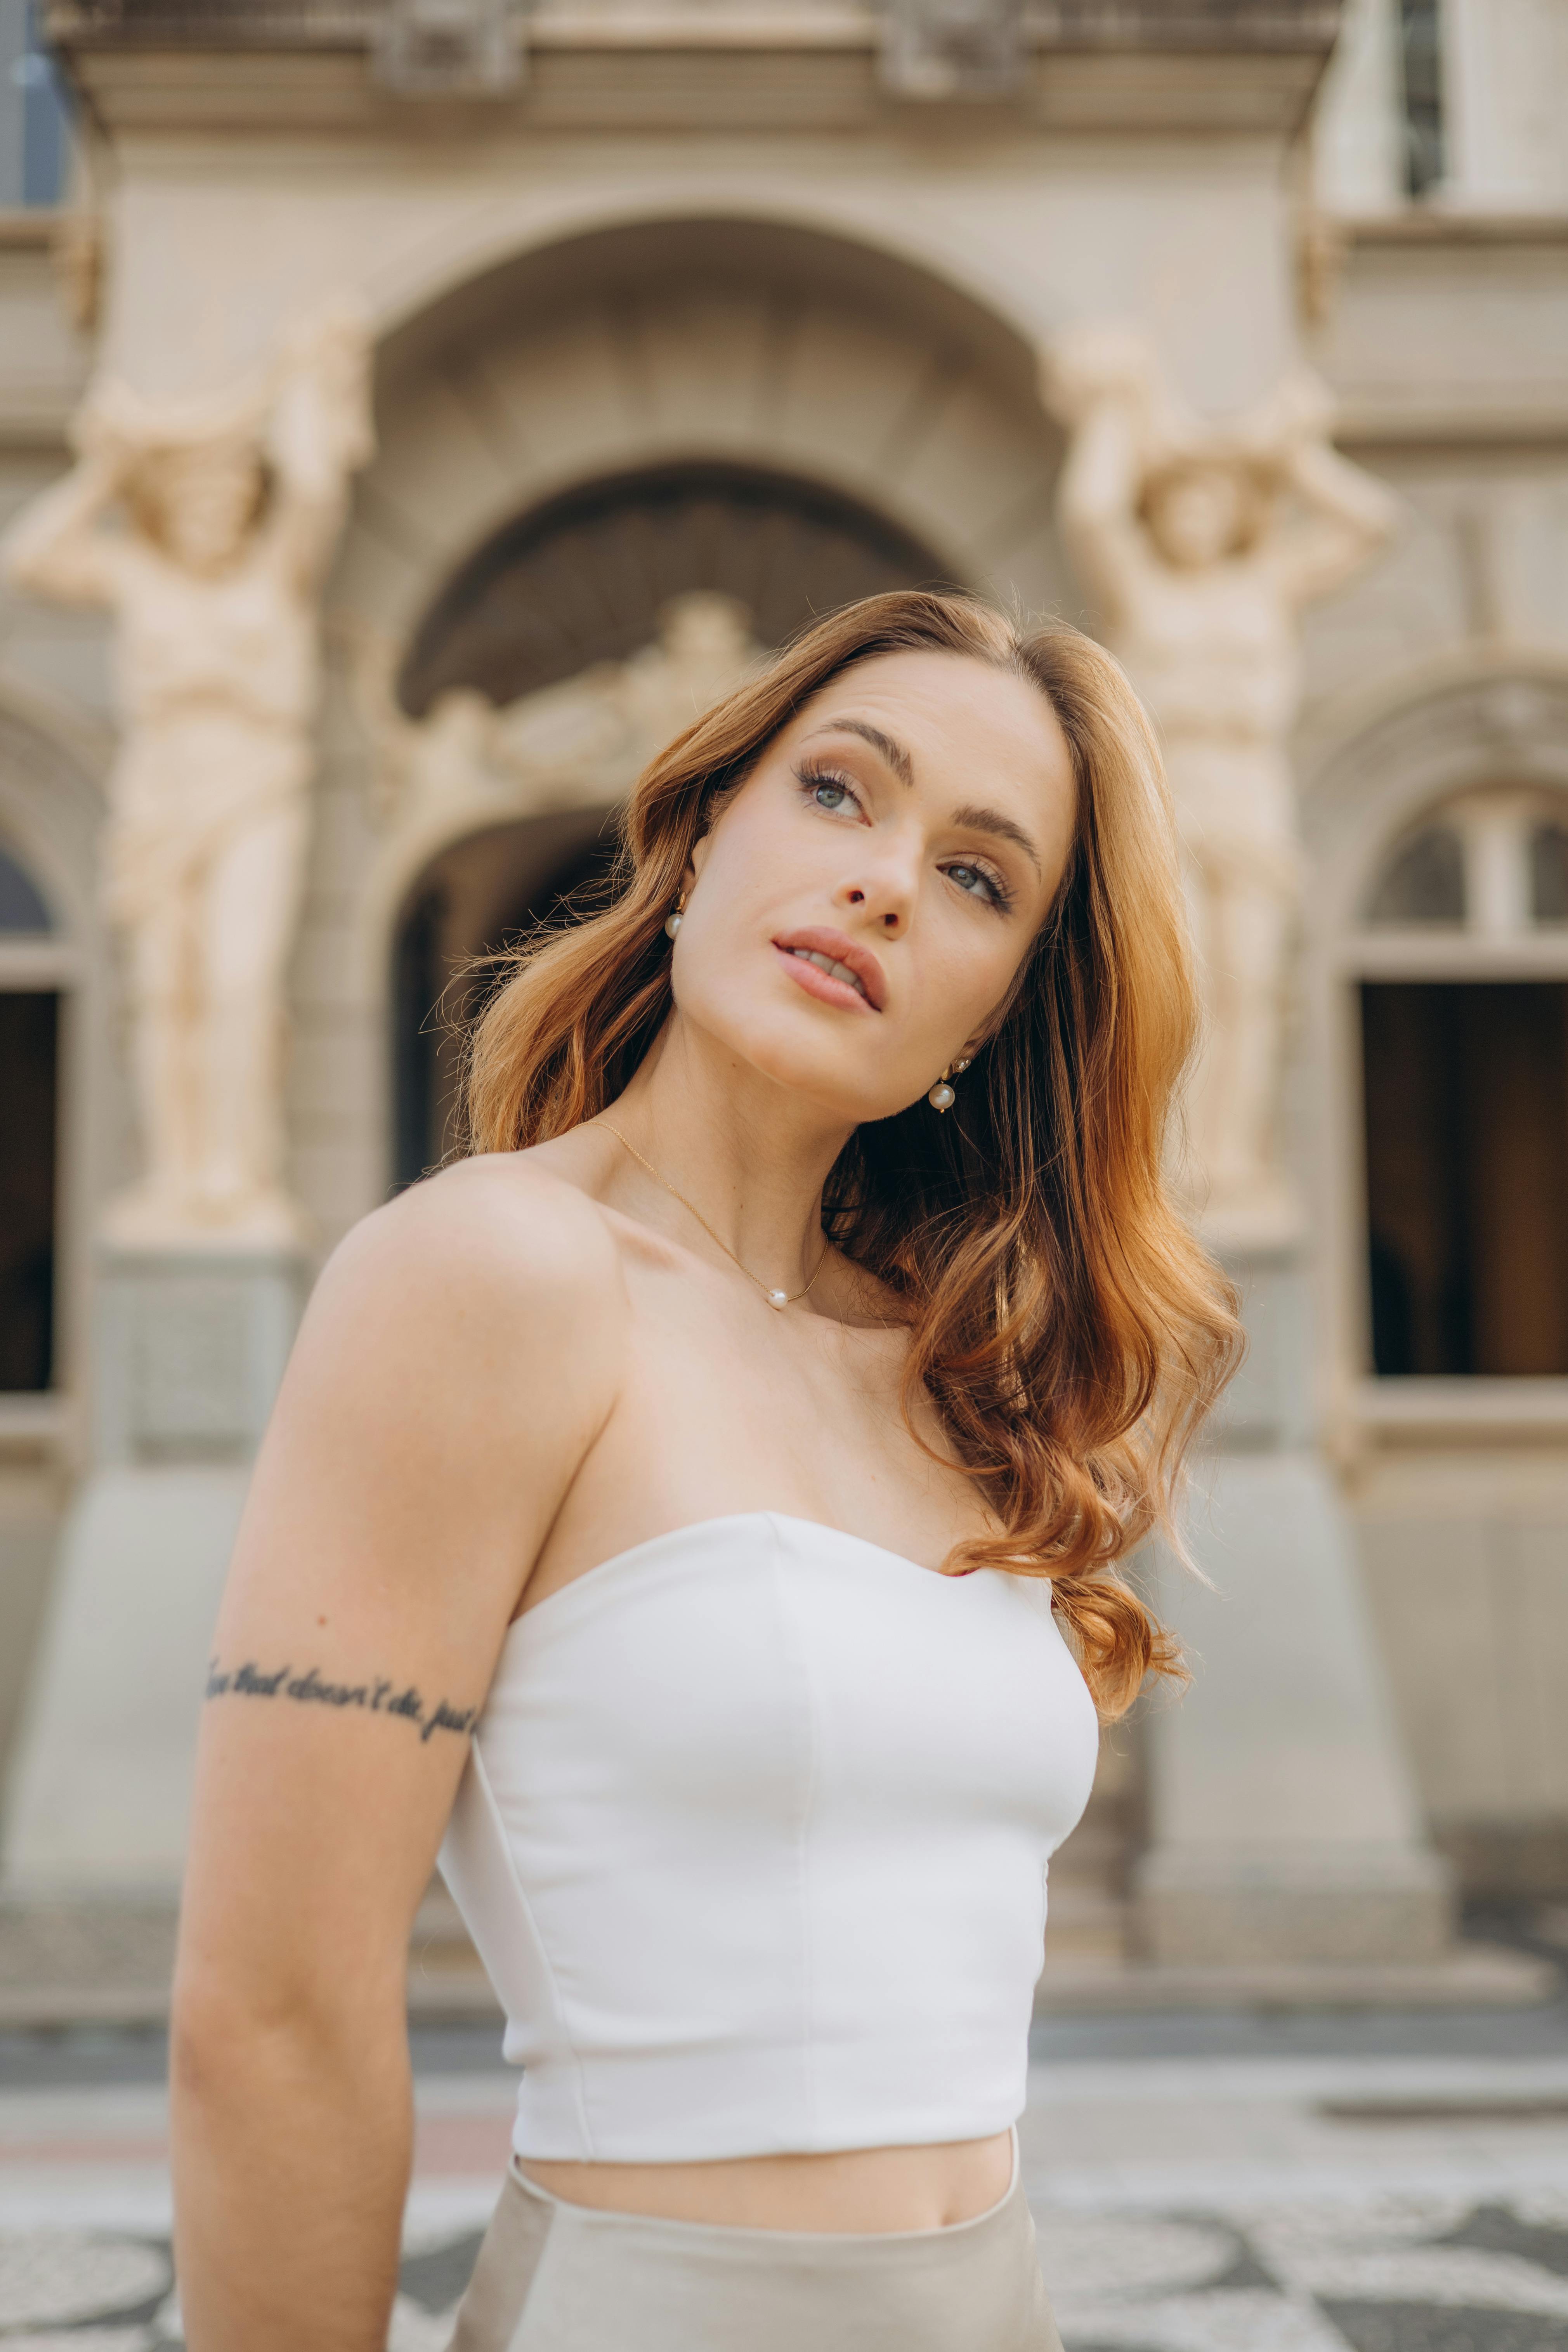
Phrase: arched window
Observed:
(582, 578)
(1462, 959)
(31, 972)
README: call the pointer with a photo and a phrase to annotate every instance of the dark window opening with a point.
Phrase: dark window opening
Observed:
(484, 894)
(1549, 874)
(1425, 883)
(21, 907)
(583, 578)
(1466, 1171)
(29, 1093)
(1422, 60)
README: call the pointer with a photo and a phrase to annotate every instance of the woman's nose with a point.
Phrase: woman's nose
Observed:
(885, 896)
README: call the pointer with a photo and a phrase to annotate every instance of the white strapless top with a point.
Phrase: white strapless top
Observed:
(753, 1841)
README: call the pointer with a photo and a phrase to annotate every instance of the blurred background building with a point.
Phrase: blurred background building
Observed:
(690, 318)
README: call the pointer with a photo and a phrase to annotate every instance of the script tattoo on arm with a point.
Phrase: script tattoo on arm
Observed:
(377, 1696)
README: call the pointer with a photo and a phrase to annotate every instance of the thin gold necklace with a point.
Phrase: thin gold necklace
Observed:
(779, 1298)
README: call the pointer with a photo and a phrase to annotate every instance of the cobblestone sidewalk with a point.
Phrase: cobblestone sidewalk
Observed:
(1186, 2204)
(1399, 2275)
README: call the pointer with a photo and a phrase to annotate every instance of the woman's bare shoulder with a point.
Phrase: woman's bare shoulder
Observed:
(493, 1250)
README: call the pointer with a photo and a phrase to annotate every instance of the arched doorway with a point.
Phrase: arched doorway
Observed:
(583, 580)
(477, 897)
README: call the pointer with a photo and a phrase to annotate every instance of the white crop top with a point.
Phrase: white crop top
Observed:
(753, 1841)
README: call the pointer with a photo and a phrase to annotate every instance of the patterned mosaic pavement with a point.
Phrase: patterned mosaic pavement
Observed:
(1347, 2203)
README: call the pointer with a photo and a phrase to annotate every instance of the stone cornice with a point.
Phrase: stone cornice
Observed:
(169, 66)
(1105, 25)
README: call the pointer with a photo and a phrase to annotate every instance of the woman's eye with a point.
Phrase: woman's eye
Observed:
(972, 878)
(833, 793)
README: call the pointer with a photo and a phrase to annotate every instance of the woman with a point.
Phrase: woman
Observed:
(806, 1340)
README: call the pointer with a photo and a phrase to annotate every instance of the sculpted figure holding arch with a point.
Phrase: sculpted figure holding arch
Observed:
(1201, 544)
(230, 509)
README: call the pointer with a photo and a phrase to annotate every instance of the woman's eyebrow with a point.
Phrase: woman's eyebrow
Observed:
(893, 752)
(1000, 828)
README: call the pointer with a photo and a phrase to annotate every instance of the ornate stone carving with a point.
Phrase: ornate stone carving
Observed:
(1201, 544)
(579, 744)
(448, 48)
(230, 508)
(953, 49)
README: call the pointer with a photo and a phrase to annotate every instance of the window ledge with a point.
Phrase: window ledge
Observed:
(28, 962)
(28, 228)
(1488, 1406)
(34, 1428)
(1423, 951)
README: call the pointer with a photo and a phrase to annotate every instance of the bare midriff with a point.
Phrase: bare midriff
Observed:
(853, 2190)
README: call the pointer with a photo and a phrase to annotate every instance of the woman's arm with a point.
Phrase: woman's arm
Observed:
(459, 1356)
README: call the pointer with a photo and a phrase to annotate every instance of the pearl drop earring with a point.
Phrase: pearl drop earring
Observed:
(672, 922)
(941, 1095)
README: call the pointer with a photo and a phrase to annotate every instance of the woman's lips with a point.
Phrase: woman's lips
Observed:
(834, 968)
(823, 984)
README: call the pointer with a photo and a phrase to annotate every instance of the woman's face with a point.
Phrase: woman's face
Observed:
(909, 827)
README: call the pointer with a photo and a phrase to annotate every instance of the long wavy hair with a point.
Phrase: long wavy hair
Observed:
(1067, 1325)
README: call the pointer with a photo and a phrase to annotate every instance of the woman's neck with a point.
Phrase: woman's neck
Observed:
(750, 1154)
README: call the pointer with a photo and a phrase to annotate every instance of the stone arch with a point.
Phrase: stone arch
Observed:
(539, 240)
(1429, 742)
(725, 341)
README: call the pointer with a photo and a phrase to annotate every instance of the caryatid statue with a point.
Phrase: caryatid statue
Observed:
(1202, 543)
(229, 509)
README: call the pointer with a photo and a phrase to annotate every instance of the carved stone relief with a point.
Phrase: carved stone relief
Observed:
(578, 745)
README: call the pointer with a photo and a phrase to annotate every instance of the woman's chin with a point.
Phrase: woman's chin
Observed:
(831, 1091)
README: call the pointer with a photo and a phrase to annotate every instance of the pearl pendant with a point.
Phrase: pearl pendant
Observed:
(672, 924)
(778, 1298)
(941, 1096)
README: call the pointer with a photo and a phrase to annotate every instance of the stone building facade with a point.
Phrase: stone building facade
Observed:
(690, 320)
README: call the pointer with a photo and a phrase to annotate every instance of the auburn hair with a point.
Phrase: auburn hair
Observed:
(1064, 1320)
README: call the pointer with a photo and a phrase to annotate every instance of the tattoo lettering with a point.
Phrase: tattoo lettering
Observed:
(376, 1697)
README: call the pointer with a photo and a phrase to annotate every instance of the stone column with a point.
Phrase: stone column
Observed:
(1504, 70)
(1283, 1820)
(1358, 137)
(1283, 1823)
(189, 1349)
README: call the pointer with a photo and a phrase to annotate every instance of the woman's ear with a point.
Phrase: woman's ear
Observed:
(694, 864)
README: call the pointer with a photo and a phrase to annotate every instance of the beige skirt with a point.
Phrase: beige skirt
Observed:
(554, 2277)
